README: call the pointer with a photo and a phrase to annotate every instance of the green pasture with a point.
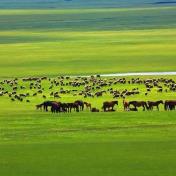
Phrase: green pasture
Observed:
(89, 41)
(78, 53)
(80, 41)
(119, 143)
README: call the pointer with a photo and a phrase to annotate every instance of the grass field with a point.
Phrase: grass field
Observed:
(81, 37)
(52, 42)
(119, 143)
(81, 144)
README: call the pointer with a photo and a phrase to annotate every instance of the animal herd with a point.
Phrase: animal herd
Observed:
(108, 106)
(87, 88)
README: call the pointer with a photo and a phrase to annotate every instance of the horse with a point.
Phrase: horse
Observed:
(133, 109)
(170, 105)
(139, 104)
(109, 105)
(46, 104)
(125, 105)
(55, 107)
(88, 105)
(151, 104)
(74, 106)
(95, 110)
(80, 104)
(39, 106)
(64, 107)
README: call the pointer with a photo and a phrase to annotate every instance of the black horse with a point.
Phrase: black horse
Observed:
(139, 104)
(74, 106)
(170, 105)
(46, 104)
(55, 107)
(151, 104)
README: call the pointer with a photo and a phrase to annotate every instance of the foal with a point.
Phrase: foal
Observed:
(88, 105)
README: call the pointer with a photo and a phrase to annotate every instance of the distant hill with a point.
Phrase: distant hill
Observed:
(50, 4)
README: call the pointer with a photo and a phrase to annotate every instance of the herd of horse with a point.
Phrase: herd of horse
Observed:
(108, 106)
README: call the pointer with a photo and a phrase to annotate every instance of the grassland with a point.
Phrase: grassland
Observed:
(120, 143)
(85, 144)
(46, 42)
(86, 41)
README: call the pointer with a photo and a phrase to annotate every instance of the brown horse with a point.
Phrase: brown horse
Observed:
(88, 105)
(125, 105)
(139, 104)
(80, 104)
(39, 106)
(170, 105)
(151, 104)
(107, 105)
(74, 106)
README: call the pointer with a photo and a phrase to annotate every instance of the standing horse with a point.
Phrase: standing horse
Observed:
(74, 106)
(125, 105)
(55, 107)
(170, 105)
(151, 104)
(88, 105)
(139, 104)
(108, 105)
(64, 107)
(80, 104)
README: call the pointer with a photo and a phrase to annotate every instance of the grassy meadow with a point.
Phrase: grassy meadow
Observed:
(113, 143)
(53, 42)
(83, 38)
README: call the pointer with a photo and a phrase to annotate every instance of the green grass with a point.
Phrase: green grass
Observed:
(120, 143)
(81, 144)
(46, 42)
(86, 41)
(90, 52)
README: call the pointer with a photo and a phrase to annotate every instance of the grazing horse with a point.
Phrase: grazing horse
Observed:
(80, 104)
(139, 104)
(108, 105)
(95, 110)
(133, 109)
(151, 104)
(39, 106)
(170, 105)
(88, 105)
(46, 104)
